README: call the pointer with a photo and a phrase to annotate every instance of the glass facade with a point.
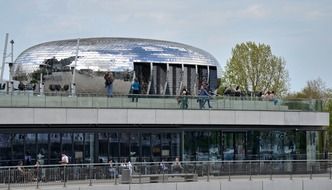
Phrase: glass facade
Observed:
(148, 145)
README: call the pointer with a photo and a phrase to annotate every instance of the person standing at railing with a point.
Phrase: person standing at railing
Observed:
(64, 161)
(109, 83)
(112, 170)
(130, 167)
(135, 89)
(204, 97)
(38, 171)
(163, 167)
(21, 172)
(184, 98)
(176, 166)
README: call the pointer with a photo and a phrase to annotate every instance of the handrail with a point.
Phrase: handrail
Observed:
(146, 172)
(95, 100)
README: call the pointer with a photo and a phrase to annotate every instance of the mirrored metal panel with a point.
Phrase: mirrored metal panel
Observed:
(53, 65)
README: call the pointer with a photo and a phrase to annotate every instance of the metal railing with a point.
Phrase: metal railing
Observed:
(146, 172)
(24, 99)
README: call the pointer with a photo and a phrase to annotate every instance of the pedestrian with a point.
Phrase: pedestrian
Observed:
(64, 161)
(109, 83)
(135, 88)
(184, 98)
(176, 166)
(203, 97)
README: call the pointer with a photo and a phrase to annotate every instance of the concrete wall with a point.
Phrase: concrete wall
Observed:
(158, 116)
(237, 184)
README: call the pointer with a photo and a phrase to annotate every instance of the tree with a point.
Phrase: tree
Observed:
(254, 68)
(315, 89)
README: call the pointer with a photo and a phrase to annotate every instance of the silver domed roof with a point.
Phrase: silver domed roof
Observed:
(115, 54)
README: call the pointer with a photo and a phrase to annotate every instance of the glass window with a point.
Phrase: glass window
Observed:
(228, 141)
(78, 139)
(253, 138)
(89, 148)
(240, 141)
(265, 149)
(166, 145)
(55, 148)
(134, 147)
(146, 146)
(214, 145)
(103, 147)
(5, 149)
(30, 148)
(67, 145)
(156, 147)
(175, 148)
(124, 146)
(114, 147)
(301, 145)
(42, 148)
(289, 145)
(277, 138)
(18, 147)
(189, 146)
(202, 148)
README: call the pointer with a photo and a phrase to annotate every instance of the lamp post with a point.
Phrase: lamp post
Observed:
(73, 84)
(4, 57)
(41, 83)
(12, 50)
(11, 83)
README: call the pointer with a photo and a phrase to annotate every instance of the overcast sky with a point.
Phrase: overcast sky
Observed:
(300, 31)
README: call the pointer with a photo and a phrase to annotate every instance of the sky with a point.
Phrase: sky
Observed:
(300, 31)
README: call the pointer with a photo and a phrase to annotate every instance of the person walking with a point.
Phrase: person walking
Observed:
(109, 84)
(135, 88)
(184, 98)
(203, 97)
(64, 161)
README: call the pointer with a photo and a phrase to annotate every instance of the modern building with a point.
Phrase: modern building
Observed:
(161, 67)
(92, 128)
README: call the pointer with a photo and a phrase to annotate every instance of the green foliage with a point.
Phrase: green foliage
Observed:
(254, 68)
(328, 107)
(36, 74)
(315, 89)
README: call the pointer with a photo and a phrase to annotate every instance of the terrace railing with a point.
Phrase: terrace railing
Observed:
(25, 99)
(161, 172)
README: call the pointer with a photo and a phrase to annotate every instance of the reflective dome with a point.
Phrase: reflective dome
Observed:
(160, 65)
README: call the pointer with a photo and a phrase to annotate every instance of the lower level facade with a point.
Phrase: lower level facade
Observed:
(95, 135)
(194, 143)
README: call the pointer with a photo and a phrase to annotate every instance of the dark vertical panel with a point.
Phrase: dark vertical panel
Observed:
(190, 78)
(175, 78)
(202, 75)
(213, 78)
(142, 72)
(158, 78)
